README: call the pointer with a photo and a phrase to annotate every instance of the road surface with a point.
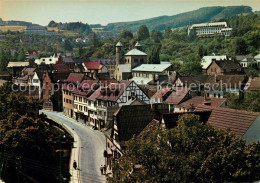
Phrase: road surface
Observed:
(91, 144)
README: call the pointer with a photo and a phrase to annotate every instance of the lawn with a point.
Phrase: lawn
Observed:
(12, 28)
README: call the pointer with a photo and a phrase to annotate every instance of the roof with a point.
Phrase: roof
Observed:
(60, 67)
(131, 120)
(170, 120)
(152, 67)
(124, 68)
(28, 71)
(138, 44)
(242, 57)
(206, 60)
(68, 60)
(86, 87)
(209, 24)
(119, 44)
(153, 125)
(237, 121)
(254, 85)
(18, 64)
(57, 77)
(141, 80)
(191, 80)
(135, 52)
(197, 100)
(104, 61)
(92, 65)
(161, 93)
(113, 91)
(177, 96)
(225, 81)
(228, 65)
(95, 94)
(75, 78)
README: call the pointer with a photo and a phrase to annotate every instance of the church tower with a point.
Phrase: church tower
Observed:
(138, 46)
(119, 53)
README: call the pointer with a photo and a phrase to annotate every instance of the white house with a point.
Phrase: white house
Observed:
(37, 81)
(209, 29)
(207, 60)
(47, 60)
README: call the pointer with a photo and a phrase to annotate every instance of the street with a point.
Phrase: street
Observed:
(90, 151)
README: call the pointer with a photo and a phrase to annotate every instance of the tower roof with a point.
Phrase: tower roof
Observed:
(135, 52)
(138, 44)
(119, 44)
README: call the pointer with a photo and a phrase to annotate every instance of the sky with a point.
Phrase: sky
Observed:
(104, 11)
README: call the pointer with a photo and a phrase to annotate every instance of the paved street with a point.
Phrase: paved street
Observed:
(91, 147)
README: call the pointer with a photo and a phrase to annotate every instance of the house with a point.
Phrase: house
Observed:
(47, 60)
(217, 86)
(37, 81)
(93, 68)
(145, 73)
(52, 83)
(160, 96)
(70, 84)
(110, 64)
(25, 78)
(15, 68)
(32, 54)
(35, 30)
(210, 29)
(191, 104)
(119, 94)
(81, 94)
(246, 60)
(253, 84)
(257, 59)
(243, 123)
(223, 67)
(206, 60)
(129, 120)
(177, 96)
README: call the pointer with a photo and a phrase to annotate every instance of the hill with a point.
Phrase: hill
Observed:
(183, 19)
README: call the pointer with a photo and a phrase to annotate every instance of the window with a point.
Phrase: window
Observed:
(136, 60)
(214, 94)
(218, 95)
(49, 92)
(47, 83)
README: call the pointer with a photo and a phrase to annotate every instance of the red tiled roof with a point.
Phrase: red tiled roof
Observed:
(75, 78)
(237, 121)
(177, 95)
(254, 84)
(92, 65)
(196, 101)
(61, 67)
(160, 93)
(113, 91)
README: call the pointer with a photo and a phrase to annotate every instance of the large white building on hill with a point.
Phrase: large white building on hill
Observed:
(210, 29)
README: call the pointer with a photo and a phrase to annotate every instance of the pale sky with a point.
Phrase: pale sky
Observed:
(104, 11)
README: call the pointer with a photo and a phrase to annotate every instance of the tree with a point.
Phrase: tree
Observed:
(239, 46)
(126, 34)
(157, 36)
(190, 152)
(4, 59)
(143, 33)
(52, 24)
(167, 33)
(67, 45)
(154, 57)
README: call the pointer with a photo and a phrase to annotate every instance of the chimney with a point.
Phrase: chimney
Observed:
(205, 97)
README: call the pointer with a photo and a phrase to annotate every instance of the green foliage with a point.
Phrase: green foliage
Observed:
(191, 152)
(154, 57)
(126, 34)
(167, 33)
(191, 66)
(250, 102)
(143, 33)
(23, 138)
(157, 36)
(184, 19)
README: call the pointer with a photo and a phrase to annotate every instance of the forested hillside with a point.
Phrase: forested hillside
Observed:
(197, 16)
